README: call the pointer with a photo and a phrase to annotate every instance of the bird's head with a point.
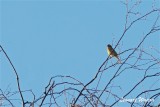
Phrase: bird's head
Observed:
(109, 45)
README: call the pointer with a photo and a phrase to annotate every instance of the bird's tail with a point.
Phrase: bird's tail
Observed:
(119, 61)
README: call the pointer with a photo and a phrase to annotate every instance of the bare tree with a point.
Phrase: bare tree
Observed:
(74, 93)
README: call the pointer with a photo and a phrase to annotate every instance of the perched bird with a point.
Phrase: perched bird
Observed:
(112, 52)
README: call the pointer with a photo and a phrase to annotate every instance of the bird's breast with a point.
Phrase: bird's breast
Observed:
(109, 52)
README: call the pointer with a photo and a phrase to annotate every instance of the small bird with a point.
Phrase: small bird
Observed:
(112, 52)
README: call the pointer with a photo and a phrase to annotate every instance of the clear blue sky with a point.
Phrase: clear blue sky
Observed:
(48, 38)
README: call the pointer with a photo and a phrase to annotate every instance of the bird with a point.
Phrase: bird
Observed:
(112, 53)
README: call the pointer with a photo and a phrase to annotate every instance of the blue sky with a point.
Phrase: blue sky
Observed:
(48, 38)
